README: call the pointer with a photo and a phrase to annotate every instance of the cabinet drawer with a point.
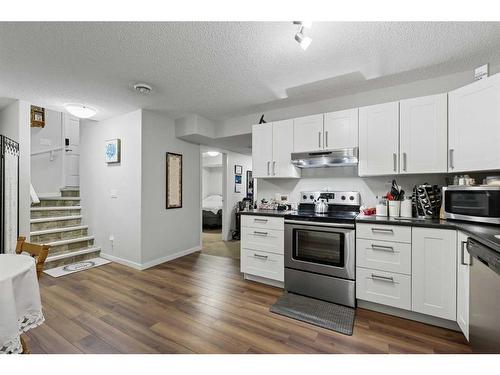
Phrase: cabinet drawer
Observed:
(397, 233)
(386, 288)
(263, 222)
(384, 255)
(262, 264)
(268, 240)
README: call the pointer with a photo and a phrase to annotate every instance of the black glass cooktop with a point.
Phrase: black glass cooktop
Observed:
(330, 217)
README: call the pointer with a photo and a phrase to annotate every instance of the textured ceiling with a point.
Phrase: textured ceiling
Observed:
(219, 70)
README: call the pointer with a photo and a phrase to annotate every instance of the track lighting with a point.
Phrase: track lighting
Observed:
(304, 41)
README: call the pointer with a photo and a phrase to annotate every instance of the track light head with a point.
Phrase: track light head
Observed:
(304, 41)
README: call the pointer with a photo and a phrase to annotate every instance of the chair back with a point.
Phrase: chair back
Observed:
(39, 252)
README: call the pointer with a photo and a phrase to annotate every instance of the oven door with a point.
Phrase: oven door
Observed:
(323, 248)
(478, 203)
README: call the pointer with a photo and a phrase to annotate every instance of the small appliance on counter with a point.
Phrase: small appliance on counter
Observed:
(472, 203)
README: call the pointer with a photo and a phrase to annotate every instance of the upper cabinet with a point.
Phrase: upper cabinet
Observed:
(379, 139)
(272, 146)
(341, 129)
(308, 133)
(423, 134)
(474, 126)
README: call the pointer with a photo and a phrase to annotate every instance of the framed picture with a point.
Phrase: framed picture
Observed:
(37, 117)
(174, 180)
(249, 185)
(238, 169)
(113, 151)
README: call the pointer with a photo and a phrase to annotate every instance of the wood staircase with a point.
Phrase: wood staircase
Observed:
(57, 222)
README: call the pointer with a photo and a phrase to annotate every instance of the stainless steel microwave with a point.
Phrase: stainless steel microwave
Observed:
(472, 203)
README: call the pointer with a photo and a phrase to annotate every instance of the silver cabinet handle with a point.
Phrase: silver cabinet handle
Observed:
(260, 233)
(260, 256)
(462, 255)
(383, 248)
(404, 161)
(451, 152)
(261, 220)
(326, 139)
(382, 230)
(395, 161)
(389, 279)
(274, 168)
(319, 139)
(268, 167)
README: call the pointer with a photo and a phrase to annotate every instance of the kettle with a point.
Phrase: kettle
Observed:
(321, 207)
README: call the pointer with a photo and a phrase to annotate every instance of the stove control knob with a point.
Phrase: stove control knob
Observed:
(304, 197)
(311, 197)
(343, 197)
(351, 198)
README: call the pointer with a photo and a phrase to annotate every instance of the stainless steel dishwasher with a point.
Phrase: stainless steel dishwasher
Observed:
(484, 324)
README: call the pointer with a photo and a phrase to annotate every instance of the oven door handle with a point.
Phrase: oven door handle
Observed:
(320, 224)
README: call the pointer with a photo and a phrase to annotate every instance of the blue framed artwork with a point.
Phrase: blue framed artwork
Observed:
(113, 151)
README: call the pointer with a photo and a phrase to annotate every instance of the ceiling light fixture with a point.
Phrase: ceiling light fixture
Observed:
(213, 153)
(142, 88)
(303, 40)
(80, 110)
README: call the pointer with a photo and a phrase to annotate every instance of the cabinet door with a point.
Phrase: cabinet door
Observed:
(424, 134)
(308, 133)
(341, 129)
(282, 149)
(379, 139)
(463, 261)
(262, 149)
(434, 272)
(474, 130)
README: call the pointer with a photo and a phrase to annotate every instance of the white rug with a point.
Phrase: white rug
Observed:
(76, 267)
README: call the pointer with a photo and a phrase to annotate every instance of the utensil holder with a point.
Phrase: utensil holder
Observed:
(394, 208)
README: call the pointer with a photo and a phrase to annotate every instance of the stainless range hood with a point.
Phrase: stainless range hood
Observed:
(323, 159)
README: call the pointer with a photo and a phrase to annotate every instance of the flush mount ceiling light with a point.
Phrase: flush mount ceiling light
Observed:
(142, 88)
(80, 110)
(304, 41)
(213, 153)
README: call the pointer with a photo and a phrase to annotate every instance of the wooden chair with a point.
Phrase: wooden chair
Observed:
(39, 252)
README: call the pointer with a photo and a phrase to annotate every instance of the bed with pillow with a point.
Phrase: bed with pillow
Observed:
(212, 211)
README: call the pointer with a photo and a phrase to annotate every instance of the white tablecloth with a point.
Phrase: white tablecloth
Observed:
(20, 305)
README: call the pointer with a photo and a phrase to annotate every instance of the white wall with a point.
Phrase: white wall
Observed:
(211, 175)
(342, 179)
(47, 174)
(168, 234)
(15, 124)
(119, 217)
(232, 198)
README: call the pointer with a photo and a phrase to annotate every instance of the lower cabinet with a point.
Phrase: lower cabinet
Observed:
(262, 248)
(463, 261)
(434, 272)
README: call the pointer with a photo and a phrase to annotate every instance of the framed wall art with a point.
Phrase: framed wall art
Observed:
(174, 180)
(238, 169)
(113, 151)
(37, 117)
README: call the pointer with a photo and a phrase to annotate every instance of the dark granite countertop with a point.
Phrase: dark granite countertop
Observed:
(482, 233)
(257, 212)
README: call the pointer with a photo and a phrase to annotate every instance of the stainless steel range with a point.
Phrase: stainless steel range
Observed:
(320, 247)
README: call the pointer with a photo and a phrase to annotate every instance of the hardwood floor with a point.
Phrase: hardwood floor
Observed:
(201, 304)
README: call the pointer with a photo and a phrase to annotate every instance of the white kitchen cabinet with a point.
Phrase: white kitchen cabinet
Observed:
(308, 133)
(424, 134)
(434, 272)
(282, 149)
(341, 129)
(463, 262)
(262, 149)
(271, 149)
(474, 130)
(379, 139)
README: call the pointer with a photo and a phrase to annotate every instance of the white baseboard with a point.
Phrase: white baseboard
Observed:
(152, 263)
(125, 262)
(170, 257)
